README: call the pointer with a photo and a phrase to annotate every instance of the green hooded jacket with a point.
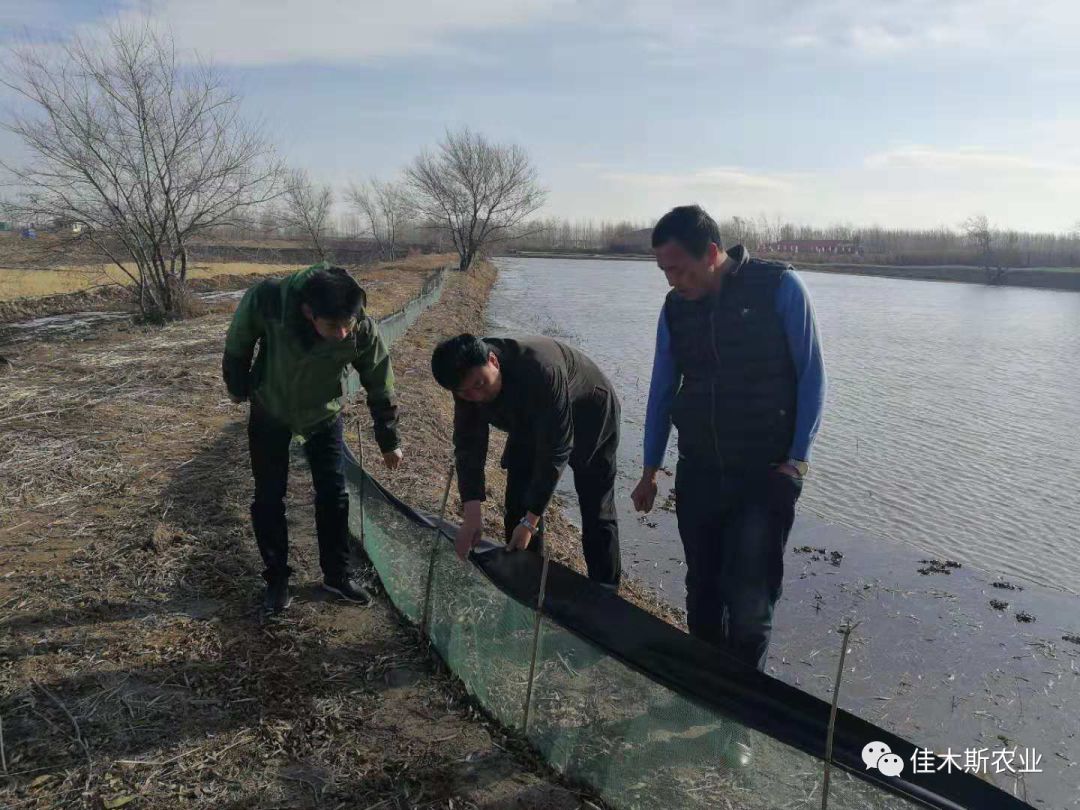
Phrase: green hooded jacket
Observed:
(297, 376)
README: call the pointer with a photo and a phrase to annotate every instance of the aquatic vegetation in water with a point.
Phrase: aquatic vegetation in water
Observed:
(938, 566)
(1007, 586)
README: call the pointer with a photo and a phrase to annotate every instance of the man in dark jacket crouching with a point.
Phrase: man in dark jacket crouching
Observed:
(557, 408)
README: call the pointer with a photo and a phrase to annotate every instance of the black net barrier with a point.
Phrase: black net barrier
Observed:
(645, 714)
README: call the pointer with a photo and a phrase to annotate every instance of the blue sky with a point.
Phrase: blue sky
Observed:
(895, 112)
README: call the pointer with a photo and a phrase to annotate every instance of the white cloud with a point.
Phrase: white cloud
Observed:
(15, 15)
(876, 28)
(961, 160)
(911, 186)
(261, 32)
(683, 32)
(258, 32)
(719, 179)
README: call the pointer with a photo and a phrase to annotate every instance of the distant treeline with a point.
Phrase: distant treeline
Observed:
(975, 243)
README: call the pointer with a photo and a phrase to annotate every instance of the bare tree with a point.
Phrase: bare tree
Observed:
(386, 210)
(306, 209)
(265, 222)
(979, 235)
(478, 191)
(1010, 249)
(977, 231)
(143, 154)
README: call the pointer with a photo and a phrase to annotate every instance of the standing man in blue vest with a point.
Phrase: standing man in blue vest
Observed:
(738, 371)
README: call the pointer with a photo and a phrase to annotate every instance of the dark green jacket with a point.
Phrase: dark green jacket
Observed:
(297, 376)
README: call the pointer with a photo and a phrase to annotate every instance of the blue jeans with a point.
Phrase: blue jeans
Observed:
(734, 525)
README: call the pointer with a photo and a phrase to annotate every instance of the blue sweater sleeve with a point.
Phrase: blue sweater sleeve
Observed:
(797, 313)
(662, 389)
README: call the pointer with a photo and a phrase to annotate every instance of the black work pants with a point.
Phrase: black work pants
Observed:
(734, 526)
(594, 480)
(269, 445)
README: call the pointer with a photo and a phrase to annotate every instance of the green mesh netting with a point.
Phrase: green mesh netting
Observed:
(637, 743)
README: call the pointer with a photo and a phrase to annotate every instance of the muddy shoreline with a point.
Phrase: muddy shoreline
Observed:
(944, 654)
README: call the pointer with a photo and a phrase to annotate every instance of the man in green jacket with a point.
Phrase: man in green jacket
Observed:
(307, 328)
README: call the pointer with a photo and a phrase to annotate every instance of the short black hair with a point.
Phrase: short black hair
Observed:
(333, 294)
(456, 357)
(691, 227)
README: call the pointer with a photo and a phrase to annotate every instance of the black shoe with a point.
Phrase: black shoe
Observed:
(348, 590)
(277, 596)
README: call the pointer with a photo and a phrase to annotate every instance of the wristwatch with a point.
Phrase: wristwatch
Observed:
(801, 467)
(525, 522)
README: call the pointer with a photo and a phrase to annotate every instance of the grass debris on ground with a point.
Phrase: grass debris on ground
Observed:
(135, 668)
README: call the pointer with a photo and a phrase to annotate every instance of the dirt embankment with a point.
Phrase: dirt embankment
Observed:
(135, 669)
(107, 298)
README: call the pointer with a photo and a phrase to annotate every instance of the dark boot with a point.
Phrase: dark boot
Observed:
(277, 596)
(348, 590)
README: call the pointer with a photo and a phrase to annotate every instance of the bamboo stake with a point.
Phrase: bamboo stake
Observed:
(536, 639)
(425, 617)
(846, 630)
(363, 481)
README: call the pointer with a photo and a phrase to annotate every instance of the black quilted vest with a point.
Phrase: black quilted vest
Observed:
(736, 405)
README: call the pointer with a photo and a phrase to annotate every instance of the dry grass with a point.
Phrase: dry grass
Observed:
(38, 283)
(389, 286)
(23, 283)
(133, 666)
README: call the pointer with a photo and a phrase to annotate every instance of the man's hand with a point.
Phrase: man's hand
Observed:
(789, 470)
(392, 460)
(524, 533)
(471, 529)
(520, 539)
(644, 494)
(467, 537)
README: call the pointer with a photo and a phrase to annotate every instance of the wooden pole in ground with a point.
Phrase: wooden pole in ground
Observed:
(846, 630)
(363, 482)
(536, 639)
(425, 617)
(3, 754)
